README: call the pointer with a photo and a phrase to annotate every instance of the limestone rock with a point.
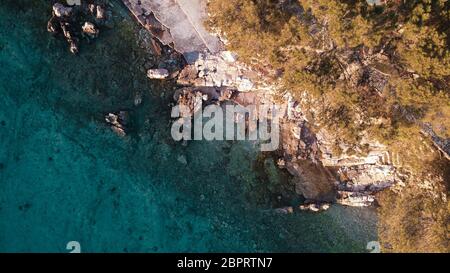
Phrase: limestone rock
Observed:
(118, 122)
(159, 73)
(229, 56)
(90, 30)
(65, 19)
(313, 207)
(60, 10)
(67, 30)
(358, 199)
(101, 13)
(366, 178)
(245, 84)
(119, 131)
(219, 70)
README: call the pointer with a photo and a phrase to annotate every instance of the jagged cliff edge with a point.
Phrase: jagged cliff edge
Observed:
(319, 174)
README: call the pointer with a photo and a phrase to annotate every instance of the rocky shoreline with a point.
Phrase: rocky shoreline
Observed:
(320, 176)
(206, 196)
(201, 68)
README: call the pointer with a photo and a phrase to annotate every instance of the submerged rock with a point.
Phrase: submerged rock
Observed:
(119, 131)
(137, 99)
(285, 210)
(124, 118)
(73, 46)
(67, 32)
(182, 159)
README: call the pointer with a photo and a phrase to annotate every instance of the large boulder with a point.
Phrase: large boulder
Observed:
(119, 122)
(59, 10)
(159, 73)
(90, 30)
(100, 13)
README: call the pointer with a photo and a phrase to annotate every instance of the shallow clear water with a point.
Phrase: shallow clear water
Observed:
(64, 175)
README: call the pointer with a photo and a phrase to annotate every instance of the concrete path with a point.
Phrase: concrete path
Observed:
(181, 22)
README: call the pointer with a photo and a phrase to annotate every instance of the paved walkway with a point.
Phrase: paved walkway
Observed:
(179, 22)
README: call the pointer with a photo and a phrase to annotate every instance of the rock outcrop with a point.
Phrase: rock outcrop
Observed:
(70, 22)
(158, 73)
(222, 70)
(442, 144)
(212, 76)
(315, 207)
(318, 174)
(194, 98)
(322, 175)
(90, 30)
(61, 11)
(119, 122)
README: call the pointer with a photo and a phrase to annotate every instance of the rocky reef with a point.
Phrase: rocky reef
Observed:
(77, 21)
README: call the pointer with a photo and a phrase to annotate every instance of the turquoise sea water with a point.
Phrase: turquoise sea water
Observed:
(64, 175)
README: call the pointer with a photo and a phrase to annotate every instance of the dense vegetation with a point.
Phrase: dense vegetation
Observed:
(310, 45)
